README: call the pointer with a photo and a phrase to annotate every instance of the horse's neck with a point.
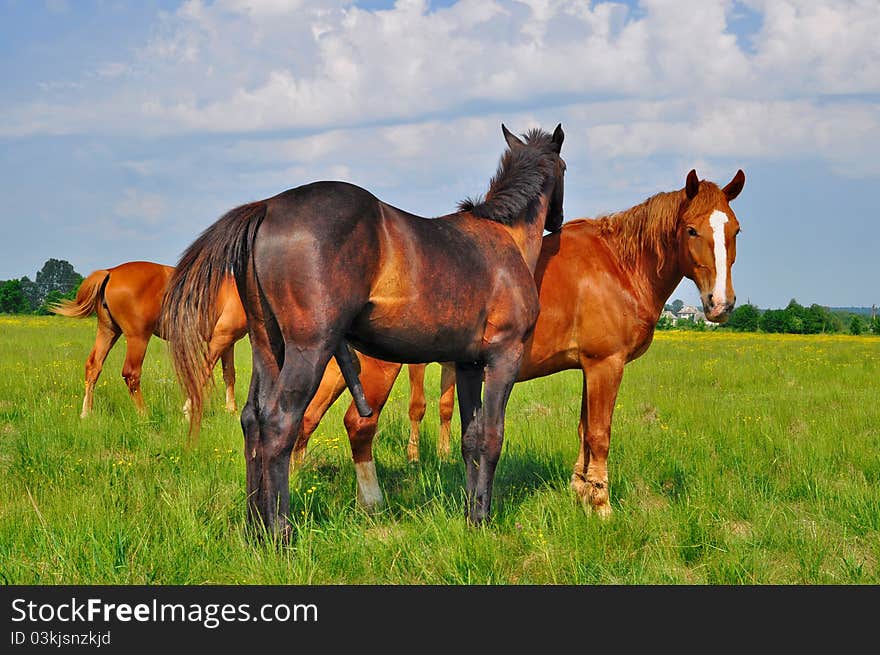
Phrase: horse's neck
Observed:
(529, 236)
(656, 285)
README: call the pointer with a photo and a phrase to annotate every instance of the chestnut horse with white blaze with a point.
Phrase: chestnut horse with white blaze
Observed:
(127, 300)
(602, 285)
(328, 263)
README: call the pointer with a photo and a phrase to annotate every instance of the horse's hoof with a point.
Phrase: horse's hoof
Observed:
(373, 507)
(603, 511)
(372, 503)
(580, 486)
(592, 494)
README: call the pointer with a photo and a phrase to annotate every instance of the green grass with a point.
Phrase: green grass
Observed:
(735, 459)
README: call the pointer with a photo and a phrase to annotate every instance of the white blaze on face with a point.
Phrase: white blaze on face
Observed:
(717, 221)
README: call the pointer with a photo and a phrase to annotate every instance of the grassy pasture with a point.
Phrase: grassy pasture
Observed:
(736, 459)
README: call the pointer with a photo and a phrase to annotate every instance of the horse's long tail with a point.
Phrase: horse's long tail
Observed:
(188, 310)
(88, 296)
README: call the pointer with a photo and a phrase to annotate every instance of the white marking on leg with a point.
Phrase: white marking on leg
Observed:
(717, 221)
(369, 494)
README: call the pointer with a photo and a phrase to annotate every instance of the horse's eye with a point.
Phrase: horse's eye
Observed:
(692, 231)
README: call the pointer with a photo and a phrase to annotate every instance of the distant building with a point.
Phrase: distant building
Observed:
(690, 312)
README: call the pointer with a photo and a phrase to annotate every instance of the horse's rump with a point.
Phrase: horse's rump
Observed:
(88, 296)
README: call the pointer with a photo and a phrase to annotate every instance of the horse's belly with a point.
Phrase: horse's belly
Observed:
(416, 333)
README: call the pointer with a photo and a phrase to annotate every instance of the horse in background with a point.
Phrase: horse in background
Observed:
(377, 378)
(127, 300)
(328, 263)
(602, 285)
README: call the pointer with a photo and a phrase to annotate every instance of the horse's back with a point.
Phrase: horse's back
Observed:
(447, 274)
(134, 293)
(335, 246)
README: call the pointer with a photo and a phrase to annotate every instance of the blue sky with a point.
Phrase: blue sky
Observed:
(127, 127)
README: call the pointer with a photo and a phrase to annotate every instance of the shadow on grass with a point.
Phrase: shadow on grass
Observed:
(432, 481)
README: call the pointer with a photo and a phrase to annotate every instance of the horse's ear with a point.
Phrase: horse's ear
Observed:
(736, 185)
(692, 185)
(558, 136)
(512, 140)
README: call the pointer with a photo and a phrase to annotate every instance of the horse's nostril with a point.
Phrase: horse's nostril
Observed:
(709, 297)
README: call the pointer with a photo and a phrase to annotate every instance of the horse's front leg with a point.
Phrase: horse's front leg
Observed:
(469, 381)
(590, 477)
(417, 406)
(227, 360)
(447, 407)
(377, 379)
(501, 374)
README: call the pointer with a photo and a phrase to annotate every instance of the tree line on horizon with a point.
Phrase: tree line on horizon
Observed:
(794, 319)
(58, 280)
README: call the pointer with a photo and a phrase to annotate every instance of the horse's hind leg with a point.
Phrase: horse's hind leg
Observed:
(447, 407)
(104, 340)
(280, 415)
(590, 478)
(469, 381)
(331, 387)
(227, 361)
(416, 408)
(377, 379)
(135, 350)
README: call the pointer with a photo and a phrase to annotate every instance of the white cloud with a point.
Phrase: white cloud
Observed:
(820, 47)
(684, 85)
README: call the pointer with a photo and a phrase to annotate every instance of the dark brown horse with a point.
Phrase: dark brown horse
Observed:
(328, 262)
(602, 285)
(127, 300)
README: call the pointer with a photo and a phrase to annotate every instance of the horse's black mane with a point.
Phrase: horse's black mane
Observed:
(518, 182)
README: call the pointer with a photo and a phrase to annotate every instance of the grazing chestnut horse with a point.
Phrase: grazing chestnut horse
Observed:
(602, 284)
(328, 262)
(127, 300)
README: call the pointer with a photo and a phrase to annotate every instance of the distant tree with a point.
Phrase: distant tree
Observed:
(676, 306)
(57, 275)
(772, 320)
(856, 326)
(744, 318)
(836, 321)
(794, 318)
(665, 323)
(817, 320)
(12, 298)
(874, 326)
(31, 293)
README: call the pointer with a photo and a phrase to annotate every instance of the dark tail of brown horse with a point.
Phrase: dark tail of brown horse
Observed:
(188, 308)
(87, 297)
